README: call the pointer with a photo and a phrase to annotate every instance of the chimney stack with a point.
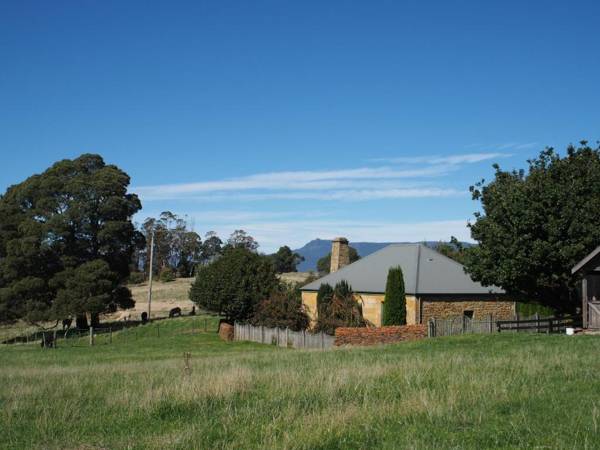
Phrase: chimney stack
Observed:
(340, 254)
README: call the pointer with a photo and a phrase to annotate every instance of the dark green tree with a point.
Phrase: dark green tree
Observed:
(394, 304)
(234, 284)
(324, 263)
(341, 311)
(76, 212)
(89, 289)
(285, 260)
(283, 309)
(324, 296)
(535, 226)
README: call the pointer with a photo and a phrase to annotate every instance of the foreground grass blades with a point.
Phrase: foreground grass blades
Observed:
(502, 391)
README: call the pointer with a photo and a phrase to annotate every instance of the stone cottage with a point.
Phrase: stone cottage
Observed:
(435, 285)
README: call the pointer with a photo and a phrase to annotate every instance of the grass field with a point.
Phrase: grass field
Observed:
(503, 391)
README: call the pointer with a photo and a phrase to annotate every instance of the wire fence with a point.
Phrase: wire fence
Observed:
(118, 332)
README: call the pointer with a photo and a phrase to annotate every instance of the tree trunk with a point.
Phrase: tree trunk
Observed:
(94, 319)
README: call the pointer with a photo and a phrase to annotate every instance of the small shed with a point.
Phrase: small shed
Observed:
(589, 271)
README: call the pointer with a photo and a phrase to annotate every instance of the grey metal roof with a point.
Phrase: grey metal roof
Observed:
(425, 272)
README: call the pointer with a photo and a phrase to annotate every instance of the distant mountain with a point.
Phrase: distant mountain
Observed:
(317, 248)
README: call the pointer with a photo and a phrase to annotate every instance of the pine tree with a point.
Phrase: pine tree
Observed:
(394, 305)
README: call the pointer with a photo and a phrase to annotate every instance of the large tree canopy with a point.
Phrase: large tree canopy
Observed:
(234, 284)
(285, 260)
(66, 241)
(535, 226)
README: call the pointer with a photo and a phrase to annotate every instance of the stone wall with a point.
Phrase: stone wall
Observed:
(442, 308)
(382, 335)
(340, 254)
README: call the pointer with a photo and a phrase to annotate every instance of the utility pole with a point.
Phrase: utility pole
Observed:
(150, 270)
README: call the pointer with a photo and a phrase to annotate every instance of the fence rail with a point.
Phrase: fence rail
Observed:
(539, 325)
(465, 325)
(282, 337)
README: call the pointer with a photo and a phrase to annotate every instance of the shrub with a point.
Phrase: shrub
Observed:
(324, 296)
(167, 275)
(341, 311)
(136, 278)
(234, 284)
(283, 309)
(394, 304)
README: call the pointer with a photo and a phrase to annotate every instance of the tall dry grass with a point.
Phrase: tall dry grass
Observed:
(517, 391)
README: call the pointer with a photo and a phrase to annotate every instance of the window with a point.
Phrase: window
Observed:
(468, 314)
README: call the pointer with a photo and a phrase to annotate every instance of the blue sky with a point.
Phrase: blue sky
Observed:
(297, 120)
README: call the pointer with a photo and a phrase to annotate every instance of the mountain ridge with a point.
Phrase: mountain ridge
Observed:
(313, 250)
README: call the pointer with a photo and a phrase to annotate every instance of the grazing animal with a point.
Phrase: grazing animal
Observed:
(125, 316)
(193, 311)
(66, 323)
(144, 317)
(47, 341)
(175, 312)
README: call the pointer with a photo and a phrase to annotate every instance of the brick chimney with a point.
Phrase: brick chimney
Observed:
(340, 254)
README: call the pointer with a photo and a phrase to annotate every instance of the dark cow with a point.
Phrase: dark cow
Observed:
(193, 311)
(175, 312)
(66, 323)
(47, 341)
(144, 317)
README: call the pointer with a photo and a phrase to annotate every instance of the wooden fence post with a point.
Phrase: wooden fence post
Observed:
(537, 322)
(110, 333)
(91, 336)
(490, 325)
(54, 343)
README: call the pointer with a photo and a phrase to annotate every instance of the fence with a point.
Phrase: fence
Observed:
(282, 337)
(120, 332)
(465, 325)
(539, 325)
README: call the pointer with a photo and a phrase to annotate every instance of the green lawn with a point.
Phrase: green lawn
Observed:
(508, 391)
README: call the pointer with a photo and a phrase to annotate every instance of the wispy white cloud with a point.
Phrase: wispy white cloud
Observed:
(290, 180)
(526, 145)
(420, 177)
(341, 195)
(466, 158)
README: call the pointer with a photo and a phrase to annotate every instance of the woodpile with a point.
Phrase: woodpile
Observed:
(381, 335)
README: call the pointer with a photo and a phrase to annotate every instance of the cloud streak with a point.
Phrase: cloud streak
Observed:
(467, 158)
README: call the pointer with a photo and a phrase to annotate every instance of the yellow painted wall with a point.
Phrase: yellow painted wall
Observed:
(309, 300)
(372, 307)
(412, 310)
